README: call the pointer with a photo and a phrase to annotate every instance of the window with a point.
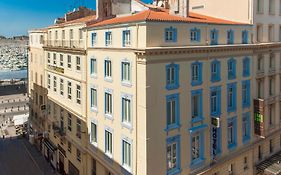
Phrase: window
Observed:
(246, 101)
(94, 99)
(108, 38)
(69, 146)
(173, 155)
(245, 37)
(172, 107)
(246, 127)
(78, 63)
(230, 169)
(259, 82)
(215, 101)
(246, 67)
(215, 71)
(69, 61)
(272, 61)
(61, 86)
(126, 110)
(271, 7)
(78, 128)
(259, 33)
(69, 122)
(107, 69)
(108, 103)
(80, 34)
(93, 68)
(94, 139)
(195, 35)
(214, 35)
(54, 59)
(270, 33)
(126, 154)
(196, 73)
(63, 34)
(196, 105)
(78, 155)
(271, 146)
(260, 152)
(61, 60)
(55, 84)
(231, 97)
(49, 81)
(172, 79)
(271, 86)
(69, 90)
(78, 94)
(260, 4)
(171, 34)
(126, 38)
(280, 26)
(271, 115)
(245, 163)
(231, 65)
(126, 71)
(260, 62)
(49, 58)
(94, 39)
(71, 34)
(197, 147)
(108, 143)
(232, 133)
(94, 167)
(230, 37)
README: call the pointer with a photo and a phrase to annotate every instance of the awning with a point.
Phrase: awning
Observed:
(20, 119)
(270, 166)
(49, 145)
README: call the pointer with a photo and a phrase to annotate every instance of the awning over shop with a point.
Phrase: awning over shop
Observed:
(49, 145)
(20, 119)
(271, 166)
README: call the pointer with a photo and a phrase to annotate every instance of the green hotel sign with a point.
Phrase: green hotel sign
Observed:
(259, 117)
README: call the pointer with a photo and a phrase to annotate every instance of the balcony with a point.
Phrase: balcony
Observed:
(260, 73)
(58, 130)
(65, 45)
(272, 71)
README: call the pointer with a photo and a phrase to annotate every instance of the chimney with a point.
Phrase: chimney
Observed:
(111, 8)
(179, 7)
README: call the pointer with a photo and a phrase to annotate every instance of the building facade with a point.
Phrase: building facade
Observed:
(156, 89)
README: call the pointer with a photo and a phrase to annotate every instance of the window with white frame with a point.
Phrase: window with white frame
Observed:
(271, 7)
(108, 143)
(108, 38)
(69, 61)
(172, 157)
(63, 34)
(61, 60)
(49, 58)
(93, 133)
(49, 81)
(78, 94)
(61, 86)
(260, 6)
(126, 38)
(195, 147)
(78, 154)
(94, 100)
(108, 68)
(69, 89)
(55, 84)
(78, 63)
(126, 110)
(126, 71)
(108, 103)
(94, 39)
(78, 128)
(93, 64)
(69, 121)
(126, 154)
(54, 59)
(71, 34)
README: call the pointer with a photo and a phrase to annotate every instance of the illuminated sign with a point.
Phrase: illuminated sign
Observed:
(55, 68)
(215, 141)
(259, 117)
(215, 122)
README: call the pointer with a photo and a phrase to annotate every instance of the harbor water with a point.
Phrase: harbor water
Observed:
(4, 75)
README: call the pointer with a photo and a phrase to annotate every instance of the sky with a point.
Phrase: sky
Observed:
(19, 16)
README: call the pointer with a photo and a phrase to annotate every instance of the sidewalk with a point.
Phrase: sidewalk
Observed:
(38, 159)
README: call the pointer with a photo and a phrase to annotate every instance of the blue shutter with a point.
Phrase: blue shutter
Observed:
(198, 35)
(175, 35)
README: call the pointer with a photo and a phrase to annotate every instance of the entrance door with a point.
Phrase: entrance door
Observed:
(61, 164)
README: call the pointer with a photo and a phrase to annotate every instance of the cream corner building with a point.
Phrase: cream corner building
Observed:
(173, 87)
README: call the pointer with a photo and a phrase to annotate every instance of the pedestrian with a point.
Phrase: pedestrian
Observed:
(3, 136)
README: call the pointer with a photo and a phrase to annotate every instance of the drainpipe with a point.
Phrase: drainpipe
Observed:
(137, 39)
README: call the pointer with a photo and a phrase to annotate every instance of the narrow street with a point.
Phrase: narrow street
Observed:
(19, 157)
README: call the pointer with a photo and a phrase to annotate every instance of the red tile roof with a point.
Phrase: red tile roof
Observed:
(163, 16)
(76, 21)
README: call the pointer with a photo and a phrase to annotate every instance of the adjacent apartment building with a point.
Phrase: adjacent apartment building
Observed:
(173, 87)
